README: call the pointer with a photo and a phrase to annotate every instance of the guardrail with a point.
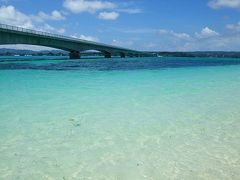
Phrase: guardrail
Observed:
(20, 29)
(35, 32)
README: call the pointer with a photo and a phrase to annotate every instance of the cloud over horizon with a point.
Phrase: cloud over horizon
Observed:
(206, 33)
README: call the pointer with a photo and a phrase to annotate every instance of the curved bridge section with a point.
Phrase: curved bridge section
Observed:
(17, 35)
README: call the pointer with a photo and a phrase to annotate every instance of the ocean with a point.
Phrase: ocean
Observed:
(120, 118)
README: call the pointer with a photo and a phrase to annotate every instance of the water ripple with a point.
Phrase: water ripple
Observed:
(119, 64)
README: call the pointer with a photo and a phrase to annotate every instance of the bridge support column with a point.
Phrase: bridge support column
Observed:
(122, 55)
(107, 55)
(74, 55)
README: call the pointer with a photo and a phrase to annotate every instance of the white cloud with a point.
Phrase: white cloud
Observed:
(78, 6)
(206, 33)
(108, 15)
(206, 40)
(216, 4)
(217, 43)
(87, 38)
(102, 6)
(55, 15)
(125, 43)
(61, 30)
(183, 36)
(234, 27)
(163, 31)
(9, 15)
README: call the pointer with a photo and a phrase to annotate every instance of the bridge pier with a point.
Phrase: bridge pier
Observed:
(74, 55)
(122, 55)
(107, 55)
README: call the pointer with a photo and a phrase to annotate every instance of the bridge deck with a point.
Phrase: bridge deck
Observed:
(17, 35)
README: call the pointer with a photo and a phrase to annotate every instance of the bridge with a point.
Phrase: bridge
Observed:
(17, 35)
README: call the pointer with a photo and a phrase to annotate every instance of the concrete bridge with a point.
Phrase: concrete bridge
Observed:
(17, 35)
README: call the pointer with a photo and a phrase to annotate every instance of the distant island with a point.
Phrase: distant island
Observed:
(219, 54)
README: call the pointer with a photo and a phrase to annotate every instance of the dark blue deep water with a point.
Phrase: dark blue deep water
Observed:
(114, 64)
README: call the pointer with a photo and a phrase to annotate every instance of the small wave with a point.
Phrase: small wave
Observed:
(118, 64)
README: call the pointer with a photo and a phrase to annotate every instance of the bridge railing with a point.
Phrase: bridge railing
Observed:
(15, 28)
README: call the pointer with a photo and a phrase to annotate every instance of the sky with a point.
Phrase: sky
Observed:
(151, 25)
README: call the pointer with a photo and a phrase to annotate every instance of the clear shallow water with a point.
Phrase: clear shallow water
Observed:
(125, 119)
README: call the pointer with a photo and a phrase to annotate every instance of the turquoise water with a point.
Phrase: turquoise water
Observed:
(147, 118)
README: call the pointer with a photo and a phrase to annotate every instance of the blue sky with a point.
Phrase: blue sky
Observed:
(164, 25)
